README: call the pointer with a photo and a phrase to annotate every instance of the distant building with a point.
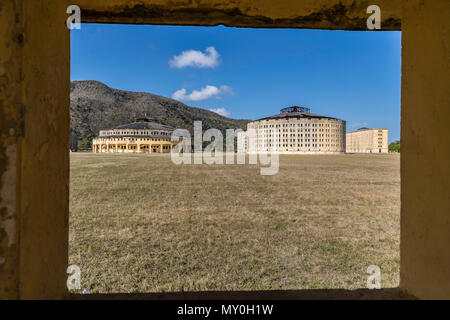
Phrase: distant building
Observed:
(143, 136)
(365, 140)
(298, 130)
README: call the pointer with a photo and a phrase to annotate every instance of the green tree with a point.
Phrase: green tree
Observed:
(394, 146)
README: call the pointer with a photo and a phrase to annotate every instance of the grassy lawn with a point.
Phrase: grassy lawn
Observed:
(139, 223)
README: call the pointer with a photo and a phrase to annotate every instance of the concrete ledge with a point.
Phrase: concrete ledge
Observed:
(325, 294)
(319, 14)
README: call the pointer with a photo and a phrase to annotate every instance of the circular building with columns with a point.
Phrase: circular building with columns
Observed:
(298, 130)
(143, 136)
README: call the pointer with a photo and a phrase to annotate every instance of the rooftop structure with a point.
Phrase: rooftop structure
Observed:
(296, 112)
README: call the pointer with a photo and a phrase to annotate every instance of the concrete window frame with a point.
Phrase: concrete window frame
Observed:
(34, 130)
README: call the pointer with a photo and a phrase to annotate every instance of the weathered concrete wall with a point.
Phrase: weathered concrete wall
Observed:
(34, 164)
(425, 155)
(313, 14)
(45, 150)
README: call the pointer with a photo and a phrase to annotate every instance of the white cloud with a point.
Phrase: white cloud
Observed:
(226, 90)
(194, 58)
(202, 94)
(222, 111)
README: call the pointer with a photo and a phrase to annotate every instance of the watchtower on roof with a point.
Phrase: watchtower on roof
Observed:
(295, 109)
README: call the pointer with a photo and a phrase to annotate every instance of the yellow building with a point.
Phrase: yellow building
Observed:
(144, 136)
(365, 140)
(297, 131)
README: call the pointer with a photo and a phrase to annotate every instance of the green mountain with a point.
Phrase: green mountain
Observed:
(94, 106)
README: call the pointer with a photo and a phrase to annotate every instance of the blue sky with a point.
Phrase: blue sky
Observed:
(251, 73)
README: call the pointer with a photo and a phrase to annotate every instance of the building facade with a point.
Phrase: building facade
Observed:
(294, 130)
(366, 140)
(143, 136)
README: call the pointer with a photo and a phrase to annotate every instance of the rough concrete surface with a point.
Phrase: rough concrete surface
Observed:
(34, 123)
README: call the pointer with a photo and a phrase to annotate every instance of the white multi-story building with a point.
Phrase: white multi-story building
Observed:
(294, 130)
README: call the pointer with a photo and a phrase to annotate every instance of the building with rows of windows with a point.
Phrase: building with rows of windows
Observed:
(143, 136)
(367, 140)
(294, 130)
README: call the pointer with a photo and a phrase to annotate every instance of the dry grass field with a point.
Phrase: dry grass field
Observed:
(139, 223)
